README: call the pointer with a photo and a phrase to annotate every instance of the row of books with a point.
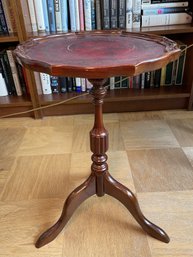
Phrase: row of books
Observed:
(80, 15)
(7, 21)
(162, 12)
(172, 74)
(12, 76)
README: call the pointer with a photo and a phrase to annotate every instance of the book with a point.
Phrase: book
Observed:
(77, 14)
(38, 83)
(51, 15)
(54, 83)
(32, 15)
(3, 88)
(39, 15)
(163, 76)
(45, 12)
(14, 72)
(72, 11)
(11, 15)
(58, 15)
(63, 84)
(112, 83)
(123, 7)
(69, 84)
(93, 16)
(3, 23)
(147, 78)
(117, 83)
(87, 15)
(98, 14)
(164, 10)
(136, 14)
(168, 76)
(164, 5)
(7, 73)
(164, 1)
(105, 7)
(180, 64)
(46, 85)
(113, 14)
(64, 15)
(129, 14)
(166, 19)
(78, 85)
(83, 84)
(123, 82)
(7, 16)
(81, 14)
(157, 78)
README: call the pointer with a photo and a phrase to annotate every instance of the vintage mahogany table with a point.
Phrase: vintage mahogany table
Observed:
(98, 55)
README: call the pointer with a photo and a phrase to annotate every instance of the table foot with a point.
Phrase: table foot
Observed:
(80, 194)
(128, 199)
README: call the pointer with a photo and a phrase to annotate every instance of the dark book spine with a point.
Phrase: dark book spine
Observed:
(169, 69)
(93, 14)
(181, 65)
(70, 84)
(3, 23)
(54, 82)
(106, 14)
(21, 78)
(51, 15)
(157, 78)
(147, 79)
(113, 14)
(63, 84)
(8, 74)
(122, 14)
(165, 1)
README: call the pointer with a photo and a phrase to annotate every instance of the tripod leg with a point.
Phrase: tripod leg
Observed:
(127, 198)
(81, 193)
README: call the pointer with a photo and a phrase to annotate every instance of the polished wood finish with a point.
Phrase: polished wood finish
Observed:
(119, 53)
(100, 181)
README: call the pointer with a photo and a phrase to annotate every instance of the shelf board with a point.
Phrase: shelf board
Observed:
(120, 95)
(166, 30)
(12, 37)
(14, 101)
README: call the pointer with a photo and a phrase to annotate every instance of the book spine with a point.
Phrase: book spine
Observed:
(163, 76)
(106, 14)
(7, 16)
(51, 15)
(64, 15)
(181, 64)
(88, 85)
(164, 5)
(21, 78)
(54, 82)
(46, 85)
(77, 15)
(32, 15)
(117, 84)
(166, 19)
(93, 14)
(14, 72)
(87, 15)
(112, 83)
(72, 15)
(83, 84)
(143, 80)
(157, 78)
(69, 84)
(3, 88)
(129, 14)
(98, 14)
(136, 13)
(81, 14)
(78, 85)
(164, 1)
(63, 84)
(124, 82)
(113, 14)
(169, 69)
(58, 15)
(3, 22)
(122, 13)
(11, 15)
(147, 79)
(39, 15)
(164, 10)
(45, 11)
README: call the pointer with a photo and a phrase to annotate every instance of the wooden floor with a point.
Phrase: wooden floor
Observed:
(42, 161)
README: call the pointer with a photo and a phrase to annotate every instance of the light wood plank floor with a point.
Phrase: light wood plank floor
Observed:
(42, 161)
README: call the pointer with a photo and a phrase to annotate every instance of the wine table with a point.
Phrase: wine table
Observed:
(97, 56)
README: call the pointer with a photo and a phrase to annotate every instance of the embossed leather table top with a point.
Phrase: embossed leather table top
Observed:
(97, 54)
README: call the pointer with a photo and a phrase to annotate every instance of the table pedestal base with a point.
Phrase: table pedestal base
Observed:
(100, 181)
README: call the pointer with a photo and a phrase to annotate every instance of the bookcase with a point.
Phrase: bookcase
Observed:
(174, 97)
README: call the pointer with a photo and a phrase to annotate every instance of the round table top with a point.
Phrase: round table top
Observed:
(97, 54)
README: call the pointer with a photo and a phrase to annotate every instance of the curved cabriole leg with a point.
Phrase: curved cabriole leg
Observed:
(128, 199)
(80, 194)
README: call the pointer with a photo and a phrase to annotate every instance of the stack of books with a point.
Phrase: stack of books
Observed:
(165, 12)
(12, 75)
